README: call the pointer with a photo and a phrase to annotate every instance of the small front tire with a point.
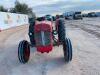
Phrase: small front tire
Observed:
(67, 49)
(23, 51)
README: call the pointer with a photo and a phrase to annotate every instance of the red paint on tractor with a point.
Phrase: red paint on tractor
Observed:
(26, 53)
(45, 26)
(43, 49)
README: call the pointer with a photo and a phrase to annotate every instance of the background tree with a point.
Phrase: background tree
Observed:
(3, 9)
(22, 8)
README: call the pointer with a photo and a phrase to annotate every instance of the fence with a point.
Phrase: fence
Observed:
(8, 20)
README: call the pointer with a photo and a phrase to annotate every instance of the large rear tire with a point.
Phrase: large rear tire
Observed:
(61, 30)
(23, 51)
(67, 49)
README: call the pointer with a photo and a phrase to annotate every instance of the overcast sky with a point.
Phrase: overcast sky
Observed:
(54, 6)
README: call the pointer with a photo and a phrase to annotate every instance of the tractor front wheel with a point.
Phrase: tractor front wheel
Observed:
(23, 51)
(67, 49)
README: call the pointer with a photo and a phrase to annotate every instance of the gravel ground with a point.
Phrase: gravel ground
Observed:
(84, 35)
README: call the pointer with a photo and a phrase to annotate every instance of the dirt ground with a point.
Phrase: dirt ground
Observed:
(85, 37)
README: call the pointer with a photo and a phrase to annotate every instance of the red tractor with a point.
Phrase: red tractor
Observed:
(45, 39)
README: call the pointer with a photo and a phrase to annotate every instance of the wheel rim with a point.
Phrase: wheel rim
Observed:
(26, 53)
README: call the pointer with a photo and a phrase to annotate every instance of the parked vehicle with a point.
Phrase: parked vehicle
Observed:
(72, 15)
(92, 14)
(77, 15)
(68, 15)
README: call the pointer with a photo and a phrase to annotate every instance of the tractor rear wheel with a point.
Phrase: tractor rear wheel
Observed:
(61, 30)
(67, 49)
(23, 51)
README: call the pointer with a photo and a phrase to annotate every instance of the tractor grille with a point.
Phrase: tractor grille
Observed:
(42, 38)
